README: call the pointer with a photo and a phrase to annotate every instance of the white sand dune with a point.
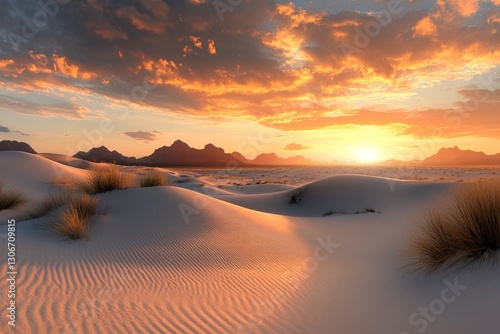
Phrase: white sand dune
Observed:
(172, 260)
(345, 194)
(67, 160)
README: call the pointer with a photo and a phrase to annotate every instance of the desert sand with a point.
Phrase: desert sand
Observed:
(202, 255)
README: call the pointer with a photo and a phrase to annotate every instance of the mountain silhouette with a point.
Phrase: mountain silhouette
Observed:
(13, 145)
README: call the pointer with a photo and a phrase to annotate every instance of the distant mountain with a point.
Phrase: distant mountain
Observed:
(102, 154)
(12, 145)
(181, 154)
(451, 156)
(238, 156)
(457, 157)
(273, 159)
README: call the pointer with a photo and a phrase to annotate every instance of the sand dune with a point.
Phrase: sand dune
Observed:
(172, 260)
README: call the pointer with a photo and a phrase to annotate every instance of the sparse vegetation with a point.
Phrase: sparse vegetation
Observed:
(463, 232)
(73, 221)
(106, 179)
(343, 212)
(49, 204)
(153, 179)
(10, 198)
(334, 212)
(295, 199)
(367, 210)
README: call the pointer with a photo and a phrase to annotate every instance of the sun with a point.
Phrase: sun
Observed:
(367, 155)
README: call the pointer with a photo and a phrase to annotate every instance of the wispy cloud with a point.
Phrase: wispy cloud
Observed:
(4, 129)
(66, 109)
(145, 136)
(295, 147)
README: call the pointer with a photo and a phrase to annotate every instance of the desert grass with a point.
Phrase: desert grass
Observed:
(73, 220)
(49, 204)
(334, 212)
(10, 198)
(105, 179)
(153, 179)
(462, 233)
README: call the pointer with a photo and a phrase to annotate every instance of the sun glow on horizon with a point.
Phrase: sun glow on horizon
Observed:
(367, 155)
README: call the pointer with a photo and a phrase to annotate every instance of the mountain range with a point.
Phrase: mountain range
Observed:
(181, 154)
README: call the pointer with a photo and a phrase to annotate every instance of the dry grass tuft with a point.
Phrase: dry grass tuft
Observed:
(10, 198)
(106, 179)
(463, 233)
(73, 220)
(49, 204)
(153, 179)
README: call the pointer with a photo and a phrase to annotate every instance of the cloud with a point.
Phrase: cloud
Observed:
(61, 64)
(153, 17)
(68, 110)
(145, 136)
(7, 130)
(295, 147)
(211, 47)
(276, 64)
(6, 62)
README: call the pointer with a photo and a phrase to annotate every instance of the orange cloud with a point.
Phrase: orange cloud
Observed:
(295, 147)
(5, 63)
(299, 16)
(464, 8)
(211, 47)
(425, 27)
(61, 65)
(41, 58)
(196, 41)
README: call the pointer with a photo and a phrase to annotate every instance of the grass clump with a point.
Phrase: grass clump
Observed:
(10, 198)
(72, 221)
(49, 204)
(463, 233)
(153, 179)
(106, 179)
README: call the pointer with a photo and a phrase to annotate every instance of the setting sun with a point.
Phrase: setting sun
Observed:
(367, 155)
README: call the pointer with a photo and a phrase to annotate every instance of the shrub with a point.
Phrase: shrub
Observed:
(10, 198)
(462, 233)
(153, 179)
(106, 179)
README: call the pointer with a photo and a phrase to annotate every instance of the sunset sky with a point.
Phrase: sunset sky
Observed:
(330, 80)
